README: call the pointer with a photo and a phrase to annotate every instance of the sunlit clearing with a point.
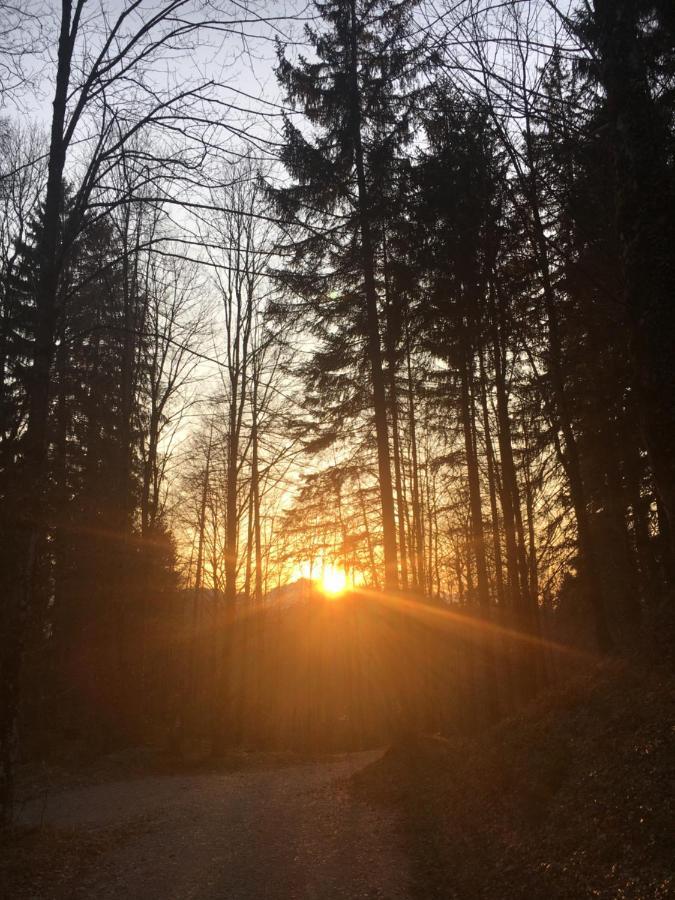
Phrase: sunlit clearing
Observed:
(333, 581)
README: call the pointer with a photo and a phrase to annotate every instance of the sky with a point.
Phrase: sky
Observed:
(237, 52)
(237, 55)
(240, 54)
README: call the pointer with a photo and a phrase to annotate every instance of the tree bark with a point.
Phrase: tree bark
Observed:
(373, 324)
(417, 515)
(646, 225)
(392, 328)
(496, 537)
(27, 525)
(467, 415)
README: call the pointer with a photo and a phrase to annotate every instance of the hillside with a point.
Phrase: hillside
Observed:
(572, 799)
(335, 675)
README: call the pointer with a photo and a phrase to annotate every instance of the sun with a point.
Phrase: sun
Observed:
(333, 581)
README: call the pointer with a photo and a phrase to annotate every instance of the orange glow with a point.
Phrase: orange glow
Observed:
(333, 580)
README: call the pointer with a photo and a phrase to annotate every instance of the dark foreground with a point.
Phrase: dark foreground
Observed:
(573, 799)
(283, 832)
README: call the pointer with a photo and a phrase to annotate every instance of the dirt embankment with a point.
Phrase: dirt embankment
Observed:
(572, 799)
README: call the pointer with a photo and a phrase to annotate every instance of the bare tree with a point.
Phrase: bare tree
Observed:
(22, 37)
(173, 331)
(106, 96)
(240, 250)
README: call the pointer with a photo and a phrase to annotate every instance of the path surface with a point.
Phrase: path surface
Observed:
(295, 832)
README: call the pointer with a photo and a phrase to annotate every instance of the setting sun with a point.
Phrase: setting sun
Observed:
(333, 580)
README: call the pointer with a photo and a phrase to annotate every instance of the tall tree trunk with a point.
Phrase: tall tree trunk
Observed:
(496, 538)
(62, 610)
(572, 463)
(533, 569)
(127, 603)
(366, 527)
(191, 693)
(248, 574)
(560, 408)
(231, 511)
(510, 495)
(23, 533)
(430, 527)
(130, 330)
(395, 433)
(417, 517)
(255, 478)
(467, 416)
(373, 323)
(645, 217)
(639, 512)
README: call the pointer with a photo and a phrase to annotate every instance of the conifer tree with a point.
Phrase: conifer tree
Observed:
(357, 97)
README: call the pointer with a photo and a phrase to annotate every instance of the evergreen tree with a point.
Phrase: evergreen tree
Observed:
(358, 99)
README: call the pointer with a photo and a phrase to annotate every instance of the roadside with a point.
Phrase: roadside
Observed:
(572, 799)
(285, 832)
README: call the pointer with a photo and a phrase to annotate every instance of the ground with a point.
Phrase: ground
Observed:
(573, 798)
(281, 831)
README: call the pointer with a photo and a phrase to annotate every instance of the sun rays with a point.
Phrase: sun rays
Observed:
(333, 581)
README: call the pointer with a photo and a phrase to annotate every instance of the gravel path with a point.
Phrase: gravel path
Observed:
(286, 833)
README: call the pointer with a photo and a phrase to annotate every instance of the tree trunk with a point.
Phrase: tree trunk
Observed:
(190, 711)
(533, 570)
(496, 538)
(255, 475)
(646, 227)
(467, 416)
(417, 517)
(396, 443)
(373, 326)
(23, 536)
(510, 493)
(563, 421)
(231, 517)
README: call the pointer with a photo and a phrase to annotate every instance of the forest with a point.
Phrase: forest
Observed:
(337, 409)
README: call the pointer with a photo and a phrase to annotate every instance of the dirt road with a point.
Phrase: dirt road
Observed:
(293, 832)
